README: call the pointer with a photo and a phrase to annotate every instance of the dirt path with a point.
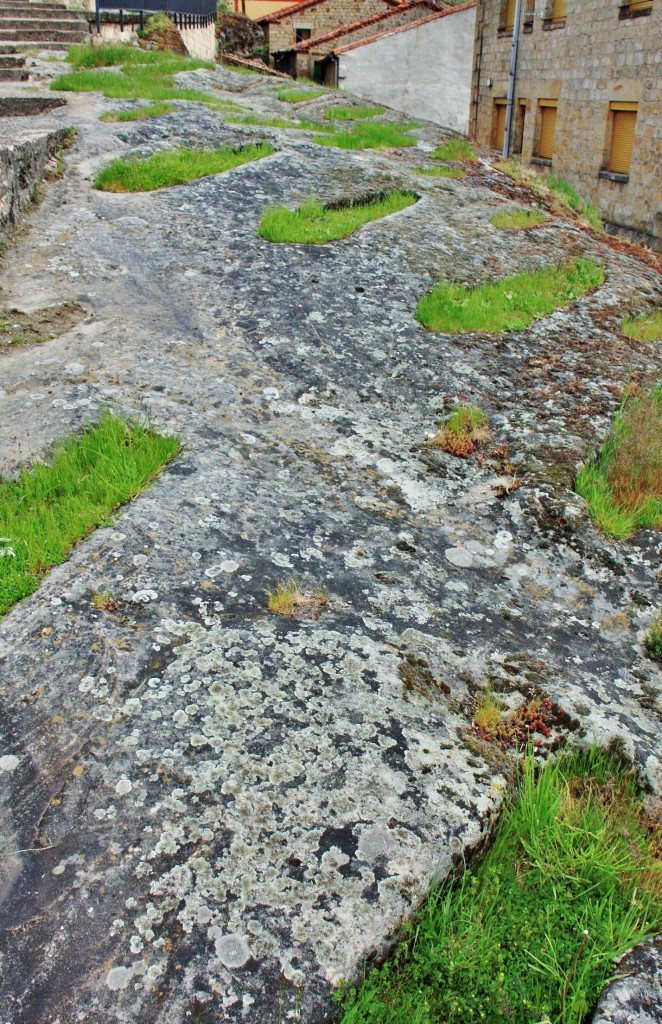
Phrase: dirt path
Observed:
(213, 813)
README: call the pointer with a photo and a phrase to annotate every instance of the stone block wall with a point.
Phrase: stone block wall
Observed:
(598, 57)
(408, 13)
(22, 166)
(319, 18)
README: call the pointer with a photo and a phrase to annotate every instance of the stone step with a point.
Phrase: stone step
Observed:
(12, 61)
(32, 13)
(43, 24)
(26, 37)
(40, 45)
(13, 75)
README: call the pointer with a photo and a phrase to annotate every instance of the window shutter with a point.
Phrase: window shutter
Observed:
(500, 124)
(641, 5)
(559, 10)
(510, 15)
(622, 140)
(547, 132)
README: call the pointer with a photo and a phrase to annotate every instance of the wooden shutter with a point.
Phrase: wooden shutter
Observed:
(559, 10)
(547, 131)
(510, 15)
(499, 123)
(624, 117)
(641, 5)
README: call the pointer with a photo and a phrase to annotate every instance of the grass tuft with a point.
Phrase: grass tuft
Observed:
(299, 95)
(144, 74)
(50, 507)
(443, 171)
(463, 431)
(288, 600)
(455, 149)
(571, 882)
(570, 196)
(175, 167)
(313, 223)
(509, 304)
(487, 716)
(623, 485)
(357, 113)
(519, 219)
(153, 110)
(371, 135)
(647, 327)
(653, 640)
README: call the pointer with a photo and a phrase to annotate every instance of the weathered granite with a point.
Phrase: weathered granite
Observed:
(635, 998)
(213, 811)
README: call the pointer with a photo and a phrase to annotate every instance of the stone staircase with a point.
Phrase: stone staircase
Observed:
(12, 64)
(48, 26)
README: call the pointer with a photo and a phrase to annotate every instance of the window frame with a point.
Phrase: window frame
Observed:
(545, 104)
(615, 108)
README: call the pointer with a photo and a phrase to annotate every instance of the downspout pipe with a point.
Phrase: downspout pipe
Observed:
(512, 77)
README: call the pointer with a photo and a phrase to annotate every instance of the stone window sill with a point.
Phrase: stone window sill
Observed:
(626, 13)
(541, 161)
(551, 26)
(504, 32)
(622, 179)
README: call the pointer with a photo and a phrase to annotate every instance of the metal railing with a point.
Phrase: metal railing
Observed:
(184, 13)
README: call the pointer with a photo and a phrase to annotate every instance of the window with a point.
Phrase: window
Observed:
(547, 129)
(509, 17)
(519, 128)
(300, 34)
(635, 9)
(623, 121)
(559, 12)
(499, 123)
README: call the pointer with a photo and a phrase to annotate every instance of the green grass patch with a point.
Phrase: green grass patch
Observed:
(570, 196)
(50, 507)
(371, 135)
(299, 95)
(143, 74)
(455, 149)
(519, 219)
(622, 486)
(653, 640)
(509, 304)
(175, 167)
(353, 113)
(530, 934)
(313, 223)
(443, 171)
(302, 124)
(647, 327)
(153, 110)
(464, 430)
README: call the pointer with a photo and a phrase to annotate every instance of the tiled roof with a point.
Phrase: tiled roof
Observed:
(371, 19)
(405, 28)
(305, 5)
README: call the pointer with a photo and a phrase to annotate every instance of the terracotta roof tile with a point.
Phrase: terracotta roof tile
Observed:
(304, 6)
(343, 30)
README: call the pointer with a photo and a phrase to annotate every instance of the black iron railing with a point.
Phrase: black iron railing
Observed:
(184, 13)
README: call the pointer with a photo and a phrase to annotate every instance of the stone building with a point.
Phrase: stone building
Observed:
(304, 58)
(285, 28)
(421, 68)
(587, 99)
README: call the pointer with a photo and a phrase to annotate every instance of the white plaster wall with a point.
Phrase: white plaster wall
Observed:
(200, 42)
(423, 71)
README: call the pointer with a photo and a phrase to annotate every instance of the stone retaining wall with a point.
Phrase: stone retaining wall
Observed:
(22, 166)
